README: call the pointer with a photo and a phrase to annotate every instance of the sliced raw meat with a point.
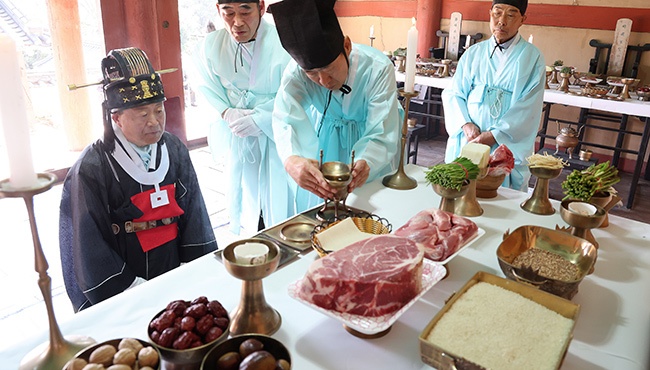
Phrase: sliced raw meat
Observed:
(502, 161)
(372, 277)
(440, 233)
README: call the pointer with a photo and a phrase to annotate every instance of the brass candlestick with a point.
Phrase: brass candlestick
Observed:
(253, 315)
(55, 353)
(538, 203)
(400, 180)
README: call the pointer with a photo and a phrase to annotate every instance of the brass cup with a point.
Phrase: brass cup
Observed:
(339, 176)
(581, 225)
(449, 196)
(538, 203)
(253, 315)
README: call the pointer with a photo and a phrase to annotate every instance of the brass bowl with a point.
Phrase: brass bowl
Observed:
(545, 173)
(271, 345)
(580, 220)
(578, 251)
(85, 353)
(367, 223)
(450, 193)
(182, 358)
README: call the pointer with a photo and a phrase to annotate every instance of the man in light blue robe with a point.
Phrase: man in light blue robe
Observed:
(241, 67)
(335, 96)
(497, 93)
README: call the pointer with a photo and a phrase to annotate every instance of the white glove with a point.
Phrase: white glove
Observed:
(244, 127)
(230, 115)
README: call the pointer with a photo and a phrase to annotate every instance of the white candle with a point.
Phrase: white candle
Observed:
(411, 51)
(13, 116)
(530, 38)
(372, 31)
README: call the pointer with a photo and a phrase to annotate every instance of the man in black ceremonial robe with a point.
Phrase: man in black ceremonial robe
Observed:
(131, 207)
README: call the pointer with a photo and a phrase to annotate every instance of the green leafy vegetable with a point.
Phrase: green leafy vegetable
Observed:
(452, 175)
(584, 184)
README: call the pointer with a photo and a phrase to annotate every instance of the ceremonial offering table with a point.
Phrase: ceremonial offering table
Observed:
(612, 332)
(626, 108)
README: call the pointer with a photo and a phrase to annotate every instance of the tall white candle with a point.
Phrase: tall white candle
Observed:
(411, 51)
(372, 31)
(13, 116)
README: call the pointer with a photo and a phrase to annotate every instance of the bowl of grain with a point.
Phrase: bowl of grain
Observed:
(551, 260)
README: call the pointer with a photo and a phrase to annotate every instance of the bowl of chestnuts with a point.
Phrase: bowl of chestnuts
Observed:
(248, 352)
(124, 353)
(185, 331)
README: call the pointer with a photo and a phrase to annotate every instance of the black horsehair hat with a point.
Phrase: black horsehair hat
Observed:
(519, 4)
(309, 31)
(130, 80)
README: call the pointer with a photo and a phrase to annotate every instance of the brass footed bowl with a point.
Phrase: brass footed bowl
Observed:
(577, 251)
(367, 223)
(450, 193)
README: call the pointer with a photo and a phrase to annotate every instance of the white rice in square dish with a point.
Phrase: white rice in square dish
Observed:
(499, 329)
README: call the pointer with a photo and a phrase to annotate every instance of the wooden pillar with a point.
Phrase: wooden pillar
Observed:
(428, 13)
(69, 62)
(152, 26)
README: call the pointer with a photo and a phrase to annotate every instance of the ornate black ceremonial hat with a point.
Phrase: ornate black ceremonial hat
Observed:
(519, 4)
(309, 31)
(130, 80)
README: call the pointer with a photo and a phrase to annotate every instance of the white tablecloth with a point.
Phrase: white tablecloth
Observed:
(612, 331)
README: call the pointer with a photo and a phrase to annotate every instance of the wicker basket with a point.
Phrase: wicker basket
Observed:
(367, 223)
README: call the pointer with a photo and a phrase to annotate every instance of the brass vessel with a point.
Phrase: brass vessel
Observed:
(581, 225)
(449, 196)
(468, 205)
(338, 175)
(254, 314)
(538, 203)
(567, 137)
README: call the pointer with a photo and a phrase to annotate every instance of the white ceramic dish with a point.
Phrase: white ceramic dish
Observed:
(431, 274)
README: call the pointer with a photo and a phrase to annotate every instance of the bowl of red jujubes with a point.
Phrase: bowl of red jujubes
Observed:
(185, 331)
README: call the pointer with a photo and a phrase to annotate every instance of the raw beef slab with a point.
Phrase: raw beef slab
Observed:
(372, 277)
(440, 233)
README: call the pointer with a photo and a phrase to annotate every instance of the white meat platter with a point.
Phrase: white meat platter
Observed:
(432, 272)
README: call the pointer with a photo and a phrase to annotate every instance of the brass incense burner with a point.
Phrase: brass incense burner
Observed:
(254, 314)
(338, 175)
